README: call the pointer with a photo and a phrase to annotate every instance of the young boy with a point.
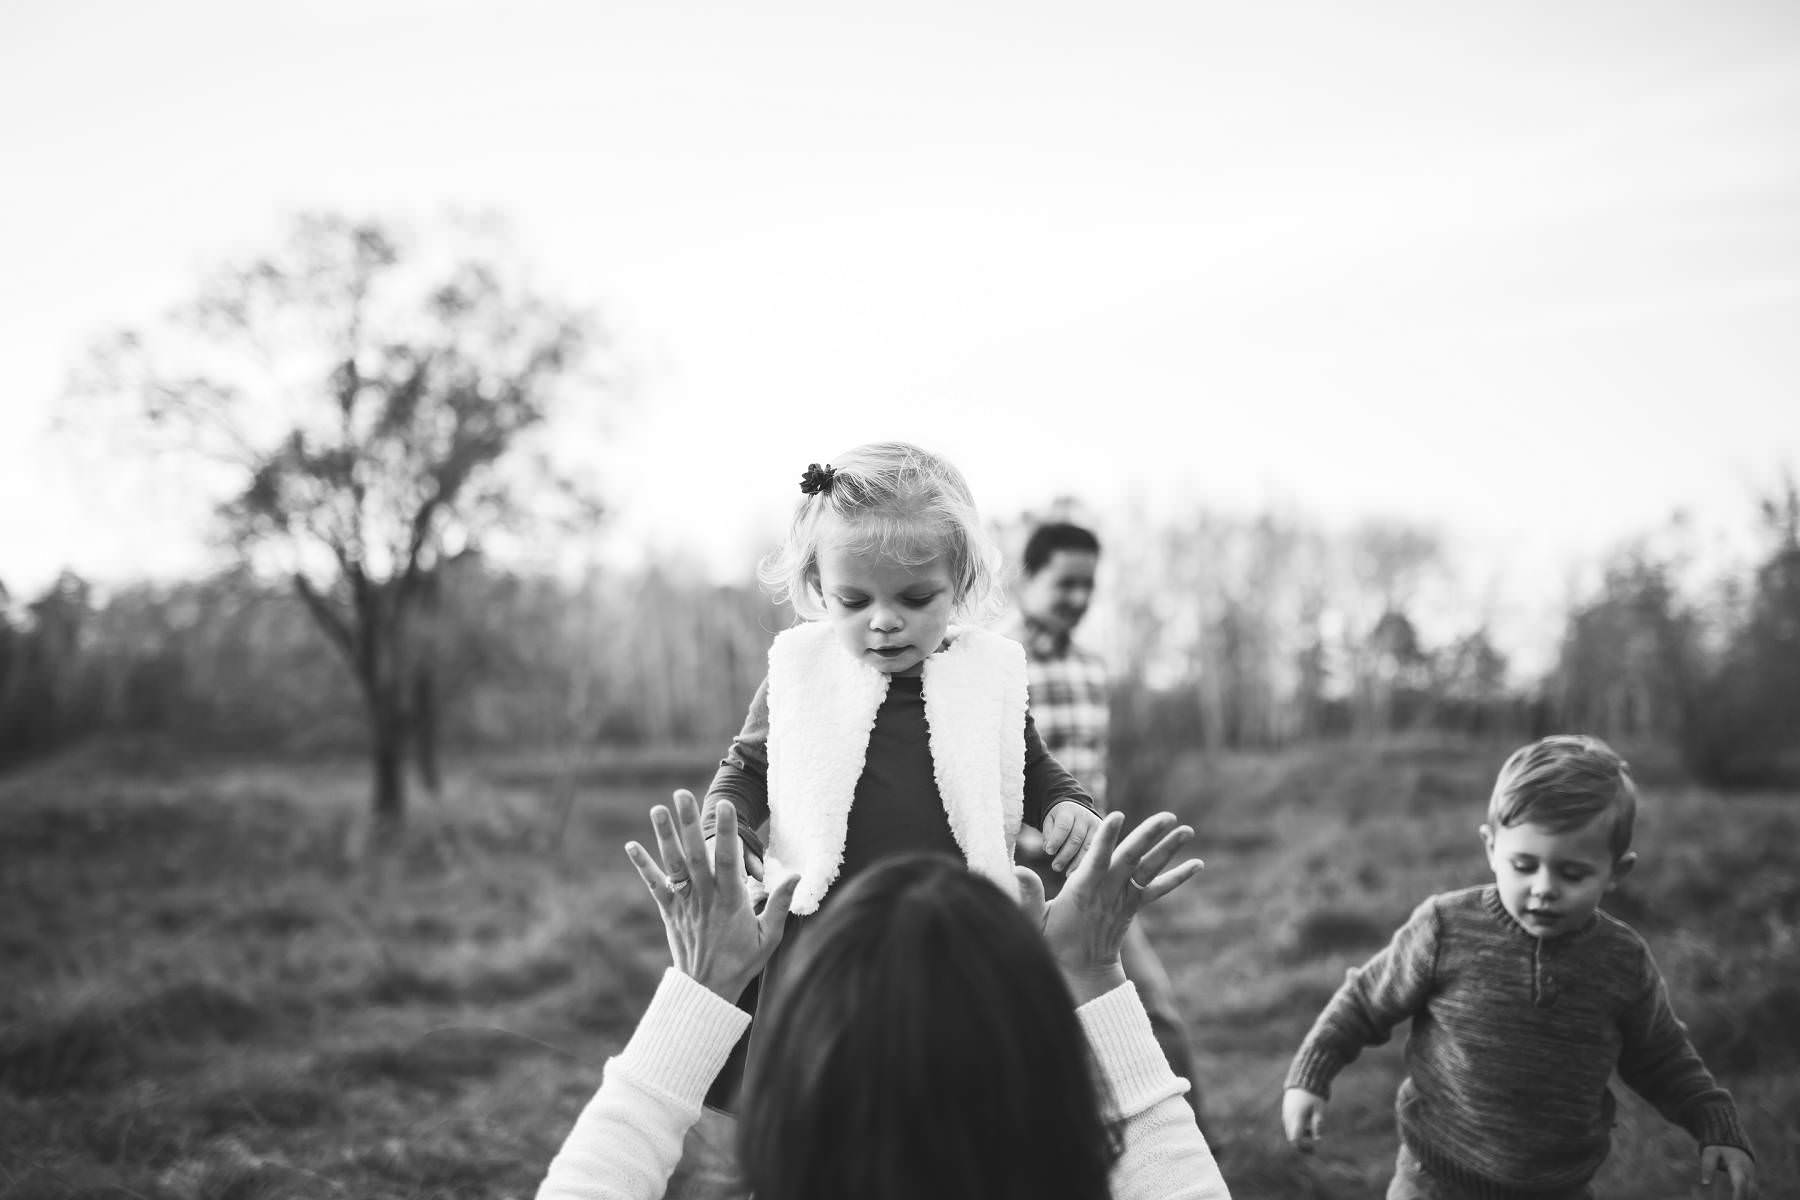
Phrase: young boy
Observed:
(1523, 999)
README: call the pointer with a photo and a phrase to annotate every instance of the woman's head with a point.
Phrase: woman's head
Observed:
(920, 1041)
(891, 504)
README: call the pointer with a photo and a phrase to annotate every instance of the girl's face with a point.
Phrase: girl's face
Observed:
(887, 615)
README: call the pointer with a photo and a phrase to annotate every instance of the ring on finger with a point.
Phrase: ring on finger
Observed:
(1135, 885)
(680, 883)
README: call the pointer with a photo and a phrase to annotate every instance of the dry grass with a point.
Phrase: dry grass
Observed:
(1316, 856)
(208, 999)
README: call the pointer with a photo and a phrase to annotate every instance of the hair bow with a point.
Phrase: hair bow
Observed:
(817, 479)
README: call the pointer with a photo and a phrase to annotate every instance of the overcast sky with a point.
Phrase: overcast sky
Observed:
(1531, 271)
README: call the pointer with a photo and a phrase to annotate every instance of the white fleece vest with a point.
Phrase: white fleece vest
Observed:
(822, 705)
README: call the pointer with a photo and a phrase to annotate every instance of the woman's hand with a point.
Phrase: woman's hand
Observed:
(1085, 925)
(714, 936)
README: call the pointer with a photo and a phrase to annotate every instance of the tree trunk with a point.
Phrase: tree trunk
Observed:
(425, 728)
(417, 644)
(369, 641)
(388, 751)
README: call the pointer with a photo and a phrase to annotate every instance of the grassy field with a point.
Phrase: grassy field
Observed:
(206, 998)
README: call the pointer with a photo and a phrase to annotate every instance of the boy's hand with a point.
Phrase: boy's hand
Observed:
(1301, 1112)
(1738, 1166)
(1067, 828)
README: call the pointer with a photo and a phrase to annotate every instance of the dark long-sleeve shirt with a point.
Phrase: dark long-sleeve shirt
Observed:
(897, 806)
(1513, 1041)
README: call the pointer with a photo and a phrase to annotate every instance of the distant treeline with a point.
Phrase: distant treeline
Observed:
(237, 662)
(1226, 632)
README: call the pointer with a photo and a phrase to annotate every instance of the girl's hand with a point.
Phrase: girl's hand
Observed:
(753, 865)
(1738, 1166)
(1301, 1112)
(1067, 828)
(714, 936)
(1085, 925)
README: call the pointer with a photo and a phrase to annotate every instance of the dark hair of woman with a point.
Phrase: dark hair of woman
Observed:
(922, 1043)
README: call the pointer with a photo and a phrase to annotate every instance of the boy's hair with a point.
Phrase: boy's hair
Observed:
(894, 499)
(1564, 781)
(1046, 540)
(920, 1041)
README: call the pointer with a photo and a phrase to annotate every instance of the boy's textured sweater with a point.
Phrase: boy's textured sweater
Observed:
(1513, 1042)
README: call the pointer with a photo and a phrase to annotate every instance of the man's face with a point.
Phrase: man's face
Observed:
(1057, 596)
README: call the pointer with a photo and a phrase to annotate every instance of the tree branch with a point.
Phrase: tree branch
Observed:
(415, 546)
(327, 617)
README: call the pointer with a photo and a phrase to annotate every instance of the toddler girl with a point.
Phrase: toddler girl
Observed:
(888, 722)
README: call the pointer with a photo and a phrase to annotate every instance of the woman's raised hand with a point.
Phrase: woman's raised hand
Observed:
(1085, 925)
(714, 935)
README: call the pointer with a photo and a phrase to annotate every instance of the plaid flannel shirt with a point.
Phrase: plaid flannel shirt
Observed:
(1068, 689)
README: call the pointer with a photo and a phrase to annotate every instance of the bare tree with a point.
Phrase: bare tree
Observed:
(1746, 726)
(376, 402)
(1389, 560)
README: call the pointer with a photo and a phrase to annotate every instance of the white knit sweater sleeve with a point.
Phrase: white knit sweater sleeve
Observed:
(626, 1142)
(1166, 1157)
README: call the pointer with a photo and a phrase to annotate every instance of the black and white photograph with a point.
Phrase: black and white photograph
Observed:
(986, 601)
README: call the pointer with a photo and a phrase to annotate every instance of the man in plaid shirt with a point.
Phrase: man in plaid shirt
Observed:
(1068, 691)
(1070, 706)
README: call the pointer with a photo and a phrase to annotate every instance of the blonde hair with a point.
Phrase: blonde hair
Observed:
(1564, 781)
(893, 499)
